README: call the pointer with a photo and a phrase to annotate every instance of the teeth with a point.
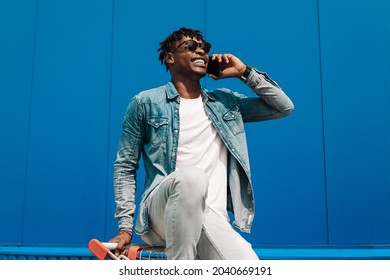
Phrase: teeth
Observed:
(198, 61)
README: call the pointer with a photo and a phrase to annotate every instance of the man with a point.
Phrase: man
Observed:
(195, 155)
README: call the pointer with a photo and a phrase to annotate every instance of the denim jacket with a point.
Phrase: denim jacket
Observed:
(151, 128)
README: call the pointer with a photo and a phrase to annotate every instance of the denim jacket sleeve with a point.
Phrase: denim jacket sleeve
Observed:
(126, 165)
(272, 104)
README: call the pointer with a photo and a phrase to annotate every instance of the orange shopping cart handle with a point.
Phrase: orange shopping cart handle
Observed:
(102, 250)
(98, 249)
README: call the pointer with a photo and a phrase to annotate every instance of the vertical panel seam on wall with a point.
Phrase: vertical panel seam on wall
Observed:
(205, 32)
(205, 17)
(323, 122)
(29, 122)
(109, 119)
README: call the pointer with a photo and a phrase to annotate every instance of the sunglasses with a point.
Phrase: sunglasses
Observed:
(192, 45)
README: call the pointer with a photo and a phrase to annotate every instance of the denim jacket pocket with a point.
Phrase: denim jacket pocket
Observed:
(233, 120)
(157, 129)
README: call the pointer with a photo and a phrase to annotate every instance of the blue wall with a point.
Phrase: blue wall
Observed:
(68, 69)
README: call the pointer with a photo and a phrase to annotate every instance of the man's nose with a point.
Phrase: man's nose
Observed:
(199, 50)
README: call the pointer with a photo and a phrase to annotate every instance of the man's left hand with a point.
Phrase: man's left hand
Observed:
(230, 65)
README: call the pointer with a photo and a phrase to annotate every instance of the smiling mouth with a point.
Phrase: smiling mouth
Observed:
(199, 61)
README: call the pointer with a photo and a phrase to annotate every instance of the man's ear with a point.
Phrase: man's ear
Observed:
(169, 59)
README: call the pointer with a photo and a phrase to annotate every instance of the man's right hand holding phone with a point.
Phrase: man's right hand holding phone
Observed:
(229, 66)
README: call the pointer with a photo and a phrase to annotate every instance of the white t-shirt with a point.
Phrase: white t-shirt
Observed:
(201, 146)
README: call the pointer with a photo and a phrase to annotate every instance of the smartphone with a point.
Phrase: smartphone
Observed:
(213, 67)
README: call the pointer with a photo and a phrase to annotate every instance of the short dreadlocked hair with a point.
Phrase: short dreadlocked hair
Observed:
(168, 43)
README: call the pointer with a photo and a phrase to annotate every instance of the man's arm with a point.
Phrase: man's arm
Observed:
(273, 102)
(125, 167)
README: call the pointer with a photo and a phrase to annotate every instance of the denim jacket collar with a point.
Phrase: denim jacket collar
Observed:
(172, 92)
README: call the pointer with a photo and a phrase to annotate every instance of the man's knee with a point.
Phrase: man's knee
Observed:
(192, 182)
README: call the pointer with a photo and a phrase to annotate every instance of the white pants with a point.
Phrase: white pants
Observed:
(180, 221)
